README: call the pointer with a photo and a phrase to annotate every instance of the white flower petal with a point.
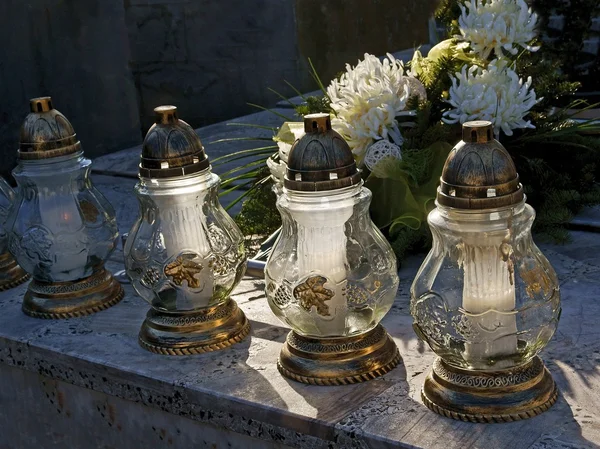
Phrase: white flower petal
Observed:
(497, 25)
(496, 94)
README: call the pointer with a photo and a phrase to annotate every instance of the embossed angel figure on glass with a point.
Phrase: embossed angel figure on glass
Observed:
(485, 299)
(331, 275)
(184, 254)
(61, 228)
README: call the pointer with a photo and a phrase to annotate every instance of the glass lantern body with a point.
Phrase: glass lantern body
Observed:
(61, 227)
(7, 197)
(485, 297)
(331, 273)
(184, 252)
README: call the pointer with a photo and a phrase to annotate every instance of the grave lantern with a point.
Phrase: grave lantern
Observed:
(485, 299)
(61, 228)
(331, 275)
(184, 254)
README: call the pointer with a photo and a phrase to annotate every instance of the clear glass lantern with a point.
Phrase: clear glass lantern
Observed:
(184, 254)
(61, 228)
(11, 274)
(485, 299)
(331, 275)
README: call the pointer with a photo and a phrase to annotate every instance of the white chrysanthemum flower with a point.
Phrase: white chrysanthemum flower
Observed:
(289, 132)
(277, 169)
(496, 94)
(367, 99)
(498, 25)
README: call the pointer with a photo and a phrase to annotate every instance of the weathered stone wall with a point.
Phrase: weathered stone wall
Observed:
(108, 63)
(335, 32)
(211, 58)
(77, 52)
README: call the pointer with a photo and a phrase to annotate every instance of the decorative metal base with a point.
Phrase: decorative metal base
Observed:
(195, 332)
(489, 396)
(11, 274)
(72, 299)
(338, 361)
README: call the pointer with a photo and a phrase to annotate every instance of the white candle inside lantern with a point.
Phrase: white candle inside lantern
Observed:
(184, 232)
(322, 250)
(489, 299)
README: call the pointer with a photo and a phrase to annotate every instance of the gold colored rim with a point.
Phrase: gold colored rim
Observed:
(338, 361)
(199, 349)
(492, 418)
(497, 396)
(76, 313)
(196, 332)
(63, 300)
(14, 283)
(348, 380)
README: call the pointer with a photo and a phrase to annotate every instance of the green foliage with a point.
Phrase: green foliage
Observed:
(259, 216)
(565, 44)
(406, 241)
(447, 14)
(404, 192)
(313, 105)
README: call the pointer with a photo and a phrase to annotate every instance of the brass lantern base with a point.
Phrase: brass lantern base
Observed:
(338, 361)
(11, 274)
(185, 333)
(55, 300)
(489, 396)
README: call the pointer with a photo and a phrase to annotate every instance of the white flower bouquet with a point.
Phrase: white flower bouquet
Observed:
(402, 120)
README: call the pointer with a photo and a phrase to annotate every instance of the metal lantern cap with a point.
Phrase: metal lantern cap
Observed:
(479, 173)
(321, 159)
(171, 147)
(46, 133)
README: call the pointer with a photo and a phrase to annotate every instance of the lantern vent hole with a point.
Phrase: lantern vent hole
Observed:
(491, 193)
(333, 176)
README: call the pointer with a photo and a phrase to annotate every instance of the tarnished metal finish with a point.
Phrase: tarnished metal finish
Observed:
(338, 361)
(479, 173)
(321, 159)
(46, 133)
(11, 274)
(72, 299)
(489, 396)
(477, 131)
(196, 332)
(171, 148)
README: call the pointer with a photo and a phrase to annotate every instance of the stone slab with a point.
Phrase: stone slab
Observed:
(588, 219)
(239, 389)
(68, 416)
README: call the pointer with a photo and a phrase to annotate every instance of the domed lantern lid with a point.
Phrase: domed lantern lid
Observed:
(171, 147)
(321, 159)
(479, 173)
(46, 133)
